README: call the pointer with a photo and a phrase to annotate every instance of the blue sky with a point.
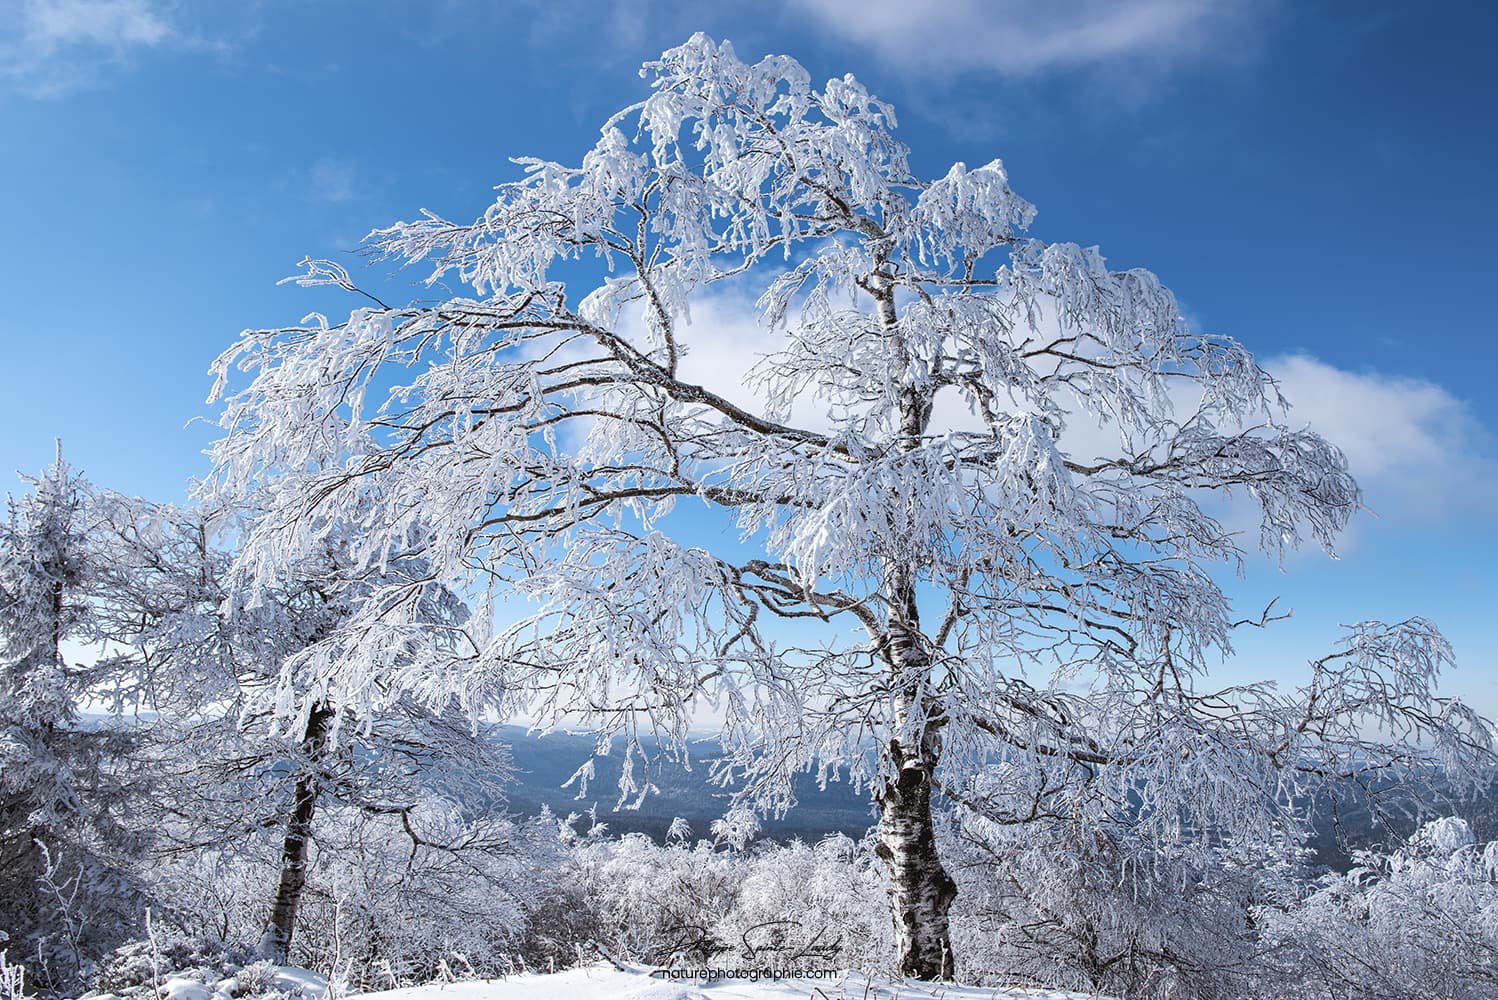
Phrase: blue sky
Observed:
(1315, 179)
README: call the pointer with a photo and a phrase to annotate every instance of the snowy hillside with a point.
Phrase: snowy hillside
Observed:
(604, 982)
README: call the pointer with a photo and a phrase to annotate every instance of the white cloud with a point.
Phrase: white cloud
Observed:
(110, 23)
(1415, 448)
(1030, 37)
(54, 45)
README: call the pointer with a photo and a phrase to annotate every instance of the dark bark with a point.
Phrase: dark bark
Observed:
(275, 943)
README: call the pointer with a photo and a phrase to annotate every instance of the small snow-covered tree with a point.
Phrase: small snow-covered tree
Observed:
(63, 892)
(1027, 584)
(1421, 921)
(43, 560)
(1093, 906)
(215, 660)
(771, 906)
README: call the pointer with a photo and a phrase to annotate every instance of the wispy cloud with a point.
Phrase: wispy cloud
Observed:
(1416, 449)
(95, 22)
(332, 180)
(55, 45)
(1033, 37)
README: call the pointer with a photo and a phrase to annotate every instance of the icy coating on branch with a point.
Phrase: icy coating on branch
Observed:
(998, 595)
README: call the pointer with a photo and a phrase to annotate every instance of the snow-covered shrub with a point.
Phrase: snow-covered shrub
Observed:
(1060, 905)
(69, 903)
(811, 905)
(1419, 923)
(172, 967)
(768, 905)
(215, 895)
(658, 904)
(560, 920)
(255, 979)
(140, 968)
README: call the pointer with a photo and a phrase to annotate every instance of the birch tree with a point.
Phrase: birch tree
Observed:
(1013, 605)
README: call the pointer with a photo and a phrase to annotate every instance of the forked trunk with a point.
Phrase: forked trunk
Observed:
(275, 943)
(920, 891)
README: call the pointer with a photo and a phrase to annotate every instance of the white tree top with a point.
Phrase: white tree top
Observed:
(1016, 596)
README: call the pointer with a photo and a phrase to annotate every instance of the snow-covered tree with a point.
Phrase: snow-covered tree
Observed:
(1095, 907)
(990, 466)
(1421, 921)
(215, 660)
(63, 893)
(43, 559)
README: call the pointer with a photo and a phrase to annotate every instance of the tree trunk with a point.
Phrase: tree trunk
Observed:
(275, 943)
(920, 891)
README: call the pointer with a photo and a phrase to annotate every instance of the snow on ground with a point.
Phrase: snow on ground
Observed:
(284, 982)
(604, 982)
